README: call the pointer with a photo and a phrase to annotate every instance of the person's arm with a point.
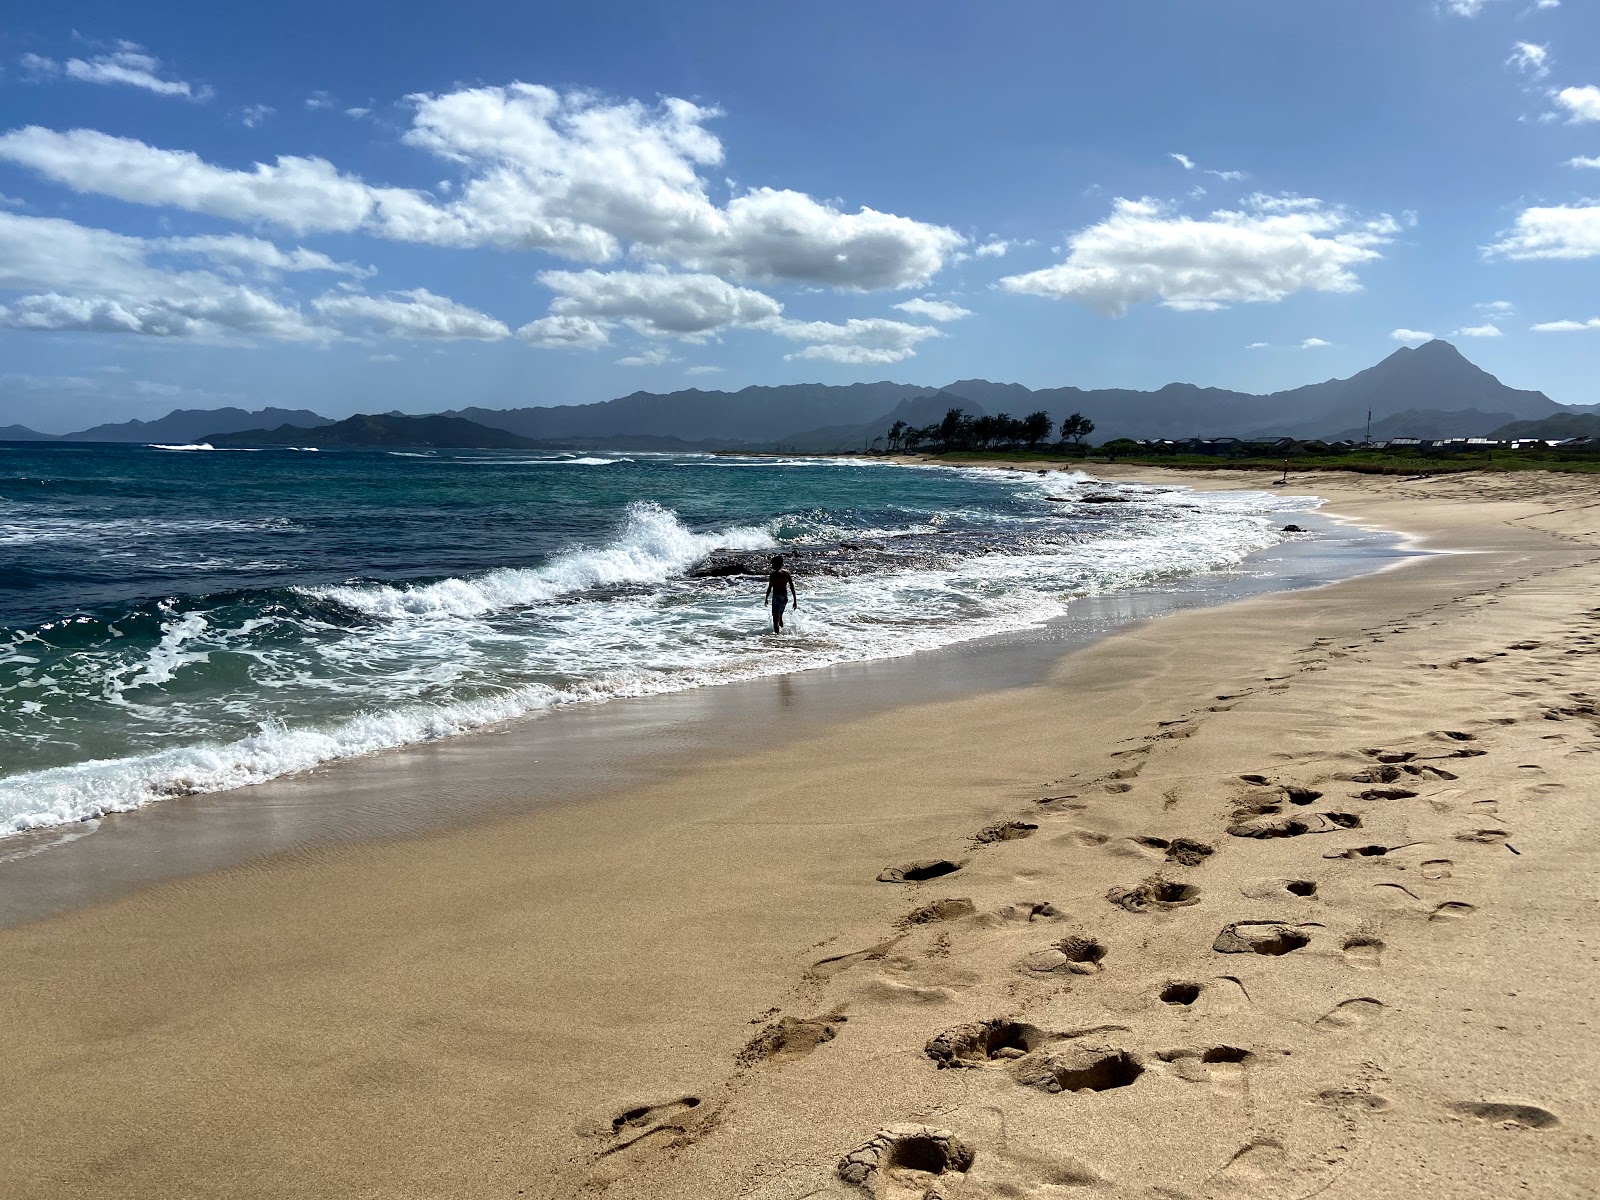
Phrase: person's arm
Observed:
(767, 595)
(793, 595)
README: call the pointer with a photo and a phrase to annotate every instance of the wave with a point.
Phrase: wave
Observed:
(652, 545)
(206, 446)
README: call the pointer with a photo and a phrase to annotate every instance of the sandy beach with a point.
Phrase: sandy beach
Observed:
(1292, 897)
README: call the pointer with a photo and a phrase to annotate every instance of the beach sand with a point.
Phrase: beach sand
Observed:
(1378, 982)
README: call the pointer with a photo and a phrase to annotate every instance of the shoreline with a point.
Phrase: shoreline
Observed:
(697, 986)
(584, 750)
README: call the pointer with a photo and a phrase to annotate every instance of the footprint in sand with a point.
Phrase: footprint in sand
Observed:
(1270, 825)
(1180, 993)
(1354, 1100)
(791, 1037)
(1452, 909)
(1154, 895)
(1080, 1067)
(916, 872)
(1004, 831)
(1024, 912)
(1079, 955)
(1508, 1115)
(1185, 852)
(1350, 1014)
(1388, 793)
(826, 968)
(1271, 888)
(625, 1137)
(1484, 837)
(1363, 951)
(982, 1043)
(1272, 938)
(950, 909)
(919, 1161)
(1436, 868)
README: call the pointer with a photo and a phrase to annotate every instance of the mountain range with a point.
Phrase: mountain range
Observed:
(1427, 391)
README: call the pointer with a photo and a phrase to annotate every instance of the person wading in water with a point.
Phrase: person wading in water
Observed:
(780, 588)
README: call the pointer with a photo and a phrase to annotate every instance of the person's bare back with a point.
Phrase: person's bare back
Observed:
(780, 590)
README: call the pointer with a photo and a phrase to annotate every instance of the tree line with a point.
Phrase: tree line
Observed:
(957, 431)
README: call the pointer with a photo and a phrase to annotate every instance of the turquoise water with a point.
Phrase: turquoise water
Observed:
(185, 620)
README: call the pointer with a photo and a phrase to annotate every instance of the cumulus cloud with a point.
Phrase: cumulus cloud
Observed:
(858, 340)
(1583, 161)
(570, 333)
(657, 302)
(1581, 103)
(568, 172)
(1410, 335)
(995, 248)
(414, 314)
(75, 278)
(1530, 59)
(1272, 248)
(1566, 326)
(1478, 331)
(128, 64)
(934, 310)
(1314, 343)
(252, 115)
(1559, 231)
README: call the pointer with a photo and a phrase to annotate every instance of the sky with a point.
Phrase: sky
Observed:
(358, 207)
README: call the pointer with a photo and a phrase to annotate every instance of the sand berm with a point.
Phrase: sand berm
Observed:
(1288, 898)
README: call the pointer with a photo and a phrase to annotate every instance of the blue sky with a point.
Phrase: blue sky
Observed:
(359, 207)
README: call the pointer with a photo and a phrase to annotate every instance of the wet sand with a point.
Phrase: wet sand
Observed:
(697, 985)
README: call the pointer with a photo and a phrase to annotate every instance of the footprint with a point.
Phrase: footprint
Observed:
(1348, 1014)
(1004, 831)
(1524, 1116)
(1080, 1068)
(983, 1042)
(939, 910)
(1353, 1099)
(1436, 868)
(1271, 826)
(1080, 955)
(916, 1160)
(1362, 852)
(1181, 993)
(791, 1037)
(826, 968)
(1363, 951)
(1260, 937)
(1266, 889)
(916, 872)
(1484, 837)
(1154, 895)
(1388, 793)
(663, 1125)
(1023, 912)
(1451, 909)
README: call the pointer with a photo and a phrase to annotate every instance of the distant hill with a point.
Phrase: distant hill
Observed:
(21, 433)
(185, 425)
(384, 430)
(918, 411)
(1562, 425)
(755, 415)
(1429, 423)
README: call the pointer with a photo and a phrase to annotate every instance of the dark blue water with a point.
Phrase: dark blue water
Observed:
(174, 621)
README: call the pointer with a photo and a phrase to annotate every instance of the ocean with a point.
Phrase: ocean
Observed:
(177, 620)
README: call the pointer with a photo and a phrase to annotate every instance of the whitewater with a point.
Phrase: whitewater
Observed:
(175, 625)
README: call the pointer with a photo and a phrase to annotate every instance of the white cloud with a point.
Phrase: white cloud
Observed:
(1274, 247)
(1479, 331)
(1183, 160)
(566, 332)
(658, 303)
(1530, 59)
(702, 370)
(128, 64)
(571, 173)
(319, 100)
(414, 314)
(1566, 326)
(1561, 231)
(1229, 176)
(1496, 306)
(995, 248)
(1581, 103)
(1314, 343)
(1410, 335)
(858, 340)
(653, 356)
(1462, 8)
(253, 114)
(357, 113)
(1582, 161)
(1257, 346)
(934, 310)
(235, 251)
(383, 358)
